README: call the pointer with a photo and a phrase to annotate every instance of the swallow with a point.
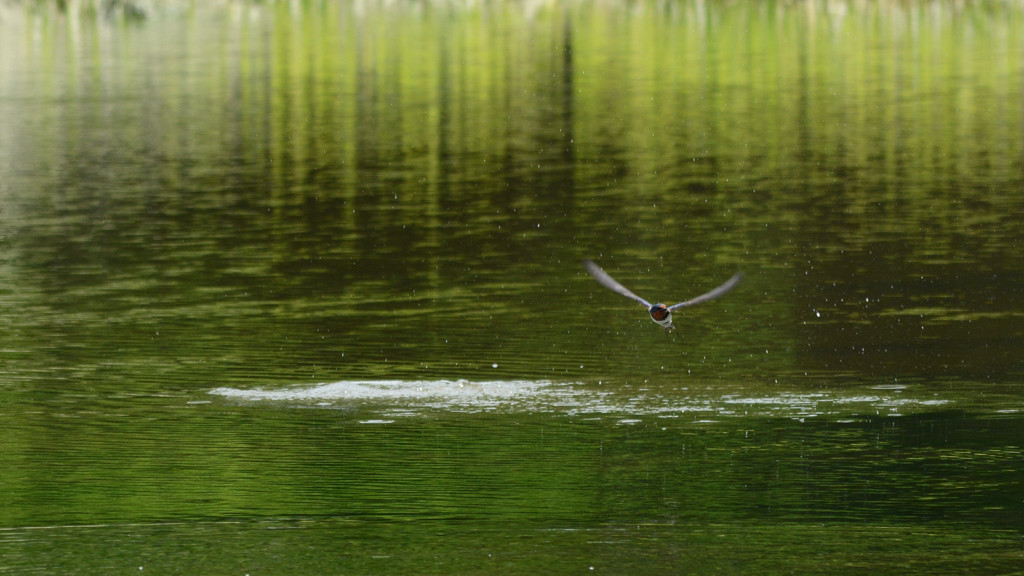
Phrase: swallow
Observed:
(660, 313)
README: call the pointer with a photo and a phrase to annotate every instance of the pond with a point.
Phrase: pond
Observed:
(297, 287)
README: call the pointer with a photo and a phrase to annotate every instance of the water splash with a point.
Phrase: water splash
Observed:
(453, 394)
(398, 398)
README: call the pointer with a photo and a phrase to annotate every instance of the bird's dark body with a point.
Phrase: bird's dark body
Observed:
(661, 315)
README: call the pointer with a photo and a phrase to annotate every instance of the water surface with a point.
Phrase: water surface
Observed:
(296, 289)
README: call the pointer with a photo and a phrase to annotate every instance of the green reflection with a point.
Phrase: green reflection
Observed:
(267, 194)
(634, 494)
(296, 168)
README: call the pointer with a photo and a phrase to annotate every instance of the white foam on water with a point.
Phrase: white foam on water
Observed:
(427, 393)
(396, 398)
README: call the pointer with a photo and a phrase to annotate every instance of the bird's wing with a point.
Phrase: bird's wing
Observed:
(610, 283)
(729, 285)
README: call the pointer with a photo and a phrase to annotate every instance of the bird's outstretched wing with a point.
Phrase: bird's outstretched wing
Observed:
(729, 285)
(610, 283)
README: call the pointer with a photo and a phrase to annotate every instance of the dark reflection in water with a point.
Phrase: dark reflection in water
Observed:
(604, 487)
(264, 197)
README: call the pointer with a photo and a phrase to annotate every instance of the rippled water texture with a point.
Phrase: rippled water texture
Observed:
(296, 288)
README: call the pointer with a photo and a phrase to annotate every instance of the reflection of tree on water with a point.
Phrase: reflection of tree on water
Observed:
(469, 157)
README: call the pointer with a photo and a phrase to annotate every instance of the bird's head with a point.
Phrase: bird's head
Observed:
(659, 311)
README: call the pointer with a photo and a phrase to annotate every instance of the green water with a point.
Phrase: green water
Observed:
(296, 288)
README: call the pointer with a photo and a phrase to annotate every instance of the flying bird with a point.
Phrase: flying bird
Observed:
(660, 313)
